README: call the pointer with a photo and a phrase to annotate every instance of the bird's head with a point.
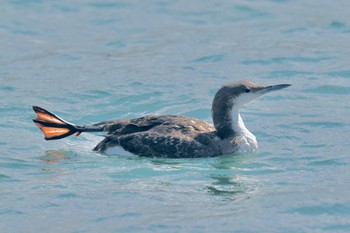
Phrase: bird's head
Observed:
(242, 92)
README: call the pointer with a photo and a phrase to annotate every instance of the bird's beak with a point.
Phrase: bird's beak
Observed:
(268, 89)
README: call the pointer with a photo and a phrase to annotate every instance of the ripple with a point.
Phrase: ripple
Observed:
(327, 162)
(289, 73)
(49, 205)
(251, 12)
(10, 212)
(17, 165)
(324, 124)
(92, 94)
(341, 73)
(337, 25)
(3, 176)
(328, 209)
(314, 146)
(279, 60)
(109, 5)
(67, 195)
(7, 89)
(212, 58)
(330, 90)
(233, 188)
(117, 44)
(337, 228)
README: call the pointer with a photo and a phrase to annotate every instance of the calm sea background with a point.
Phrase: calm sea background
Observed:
(90, 60)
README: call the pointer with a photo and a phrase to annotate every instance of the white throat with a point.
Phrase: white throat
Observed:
(244, 138)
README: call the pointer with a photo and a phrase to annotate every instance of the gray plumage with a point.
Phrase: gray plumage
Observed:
(161, 136)
(173, 136)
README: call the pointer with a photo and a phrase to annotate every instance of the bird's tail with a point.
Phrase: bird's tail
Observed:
(55, 127)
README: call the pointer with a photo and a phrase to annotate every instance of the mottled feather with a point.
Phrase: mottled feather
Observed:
(161, 136)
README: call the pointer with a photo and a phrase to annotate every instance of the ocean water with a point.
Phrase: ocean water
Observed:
(91, 60)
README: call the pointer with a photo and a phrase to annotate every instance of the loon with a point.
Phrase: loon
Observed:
(172, 136)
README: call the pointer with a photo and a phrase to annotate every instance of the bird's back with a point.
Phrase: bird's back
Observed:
(161, 136)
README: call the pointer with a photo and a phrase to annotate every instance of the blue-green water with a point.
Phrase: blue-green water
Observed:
(92, 60)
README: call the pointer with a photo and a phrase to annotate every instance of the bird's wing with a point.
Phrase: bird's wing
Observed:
(154, 144)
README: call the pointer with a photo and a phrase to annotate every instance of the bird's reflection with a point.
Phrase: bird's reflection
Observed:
(228, 180)
(57, 156)
(223, 185)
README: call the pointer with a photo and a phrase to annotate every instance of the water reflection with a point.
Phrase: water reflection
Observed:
(228, 181)
(230, 161)
(227, 177)
(227, 186)
(57, 156)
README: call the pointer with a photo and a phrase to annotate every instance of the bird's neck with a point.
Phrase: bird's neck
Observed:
(238, 125)
(228, 121)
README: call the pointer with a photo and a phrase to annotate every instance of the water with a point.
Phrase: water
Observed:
(90, 61)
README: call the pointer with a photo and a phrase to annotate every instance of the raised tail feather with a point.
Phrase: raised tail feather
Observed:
(55, 127)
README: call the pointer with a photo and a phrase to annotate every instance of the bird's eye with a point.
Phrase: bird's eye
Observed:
(247, 90)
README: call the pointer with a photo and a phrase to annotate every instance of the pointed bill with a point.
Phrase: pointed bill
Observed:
(269, 89)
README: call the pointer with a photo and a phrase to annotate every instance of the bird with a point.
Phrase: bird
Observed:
(172, 136)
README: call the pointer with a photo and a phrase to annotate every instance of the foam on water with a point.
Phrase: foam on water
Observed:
(90, 61)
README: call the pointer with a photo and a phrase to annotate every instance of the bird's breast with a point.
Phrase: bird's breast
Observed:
(246, 143)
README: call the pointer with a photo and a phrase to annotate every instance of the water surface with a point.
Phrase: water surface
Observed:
(90, 61)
